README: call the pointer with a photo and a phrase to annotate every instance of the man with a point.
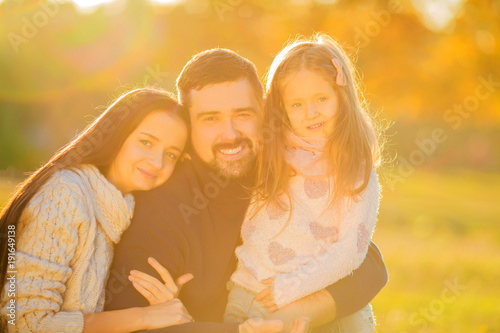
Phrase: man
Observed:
(192, 223)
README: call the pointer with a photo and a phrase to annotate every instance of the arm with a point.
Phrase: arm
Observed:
(152, 233)
(344, 297)
(149, 235)
(319, 307)
(45, 249)
(133, 319)
(355, 291)
(126, 320)
(252, 325)
(340, 258)
(156, 292)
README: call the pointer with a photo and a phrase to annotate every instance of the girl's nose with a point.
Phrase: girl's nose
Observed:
(312, 111)
(156, 160)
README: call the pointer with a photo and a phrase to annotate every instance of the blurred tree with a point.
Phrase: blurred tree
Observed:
(59, 64)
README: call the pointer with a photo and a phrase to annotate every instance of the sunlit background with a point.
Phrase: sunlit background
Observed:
(430, 69)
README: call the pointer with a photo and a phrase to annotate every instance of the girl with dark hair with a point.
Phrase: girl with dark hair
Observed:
(68, 215)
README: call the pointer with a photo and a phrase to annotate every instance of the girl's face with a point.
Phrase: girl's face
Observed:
(310, 103)
(148, 156)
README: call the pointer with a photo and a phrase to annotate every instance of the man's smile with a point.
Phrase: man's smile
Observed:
(233, 153)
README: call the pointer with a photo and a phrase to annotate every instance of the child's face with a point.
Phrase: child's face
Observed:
(148, 155)
(310, 103)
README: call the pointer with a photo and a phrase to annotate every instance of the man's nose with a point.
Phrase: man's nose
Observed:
(230, 132)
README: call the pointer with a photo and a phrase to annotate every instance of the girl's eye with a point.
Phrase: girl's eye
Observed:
(209, 119)
(296, 105)
(147, 143)
(171, 155)
(322, 99)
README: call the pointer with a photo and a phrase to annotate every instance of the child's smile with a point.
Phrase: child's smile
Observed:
(310, 103)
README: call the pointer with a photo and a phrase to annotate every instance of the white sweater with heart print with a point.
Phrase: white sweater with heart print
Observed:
(310, 249)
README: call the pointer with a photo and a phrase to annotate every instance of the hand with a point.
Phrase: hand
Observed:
(152, 289)
(319, 308)
(266, 296)
(259, 325)
(166, 314)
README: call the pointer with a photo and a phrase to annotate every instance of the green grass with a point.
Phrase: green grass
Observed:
(434, 229)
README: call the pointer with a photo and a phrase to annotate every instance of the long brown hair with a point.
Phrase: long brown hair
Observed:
(97, 144)
(352, 149)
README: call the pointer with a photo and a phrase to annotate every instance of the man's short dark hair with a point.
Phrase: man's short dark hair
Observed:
(216, 66)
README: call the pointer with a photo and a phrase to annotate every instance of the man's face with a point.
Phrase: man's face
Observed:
(225, 124)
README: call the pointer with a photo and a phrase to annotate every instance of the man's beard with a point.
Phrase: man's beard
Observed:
(237, 168)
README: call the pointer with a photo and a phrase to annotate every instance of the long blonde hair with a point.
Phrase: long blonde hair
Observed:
(352, 150)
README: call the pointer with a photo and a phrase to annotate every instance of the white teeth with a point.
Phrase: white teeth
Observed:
(231, 151)
(315, 126)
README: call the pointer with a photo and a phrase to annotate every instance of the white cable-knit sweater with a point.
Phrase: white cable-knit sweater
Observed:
(64, 248)
(317, 247)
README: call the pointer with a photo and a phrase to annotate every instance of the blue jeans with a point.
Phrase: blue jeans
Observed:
(241, 306)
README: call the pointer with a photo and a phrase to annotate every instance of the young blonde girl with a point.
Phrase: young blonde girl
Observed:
(317, 194)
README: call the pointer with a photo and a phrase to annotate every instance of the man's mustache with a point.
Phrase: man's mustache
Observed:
(231, 145)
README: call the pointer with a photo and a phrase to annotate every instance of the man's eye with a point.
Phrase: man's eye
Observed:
(147, 143)
(244, 115)
(210, 119)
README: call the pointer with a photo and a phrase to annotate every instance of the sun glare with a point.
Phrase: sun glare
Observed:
(89, 5)
(438, 14)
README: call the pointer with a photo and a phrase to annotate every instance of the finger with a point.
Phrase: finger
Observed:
(152, 284)
(183, 279)
(294, 326)
(180, 320)
(268, 304)
(146, 280)
(268, 280)
(300, 325)
(266, 299)
(262, 294)
(150, 297)
(146, 277)
(270, 296)
(160, 292)
(165, 275)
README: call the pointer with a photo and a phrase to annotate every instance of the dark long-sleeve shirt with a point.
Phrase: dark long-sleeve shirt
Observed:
(192, 225)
